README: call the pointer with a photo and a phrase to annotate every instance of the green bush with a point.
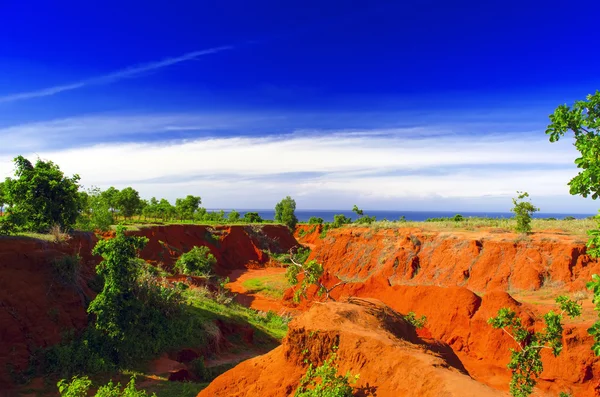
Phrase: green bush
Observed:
(302, 254)
(252, 217)
(285, 212)
(340, 219)
(523, 212)
(79, 387)
(323, 381)
(313, 220)
(197, 261)
(66, 268)
(411, 317)
(198, 368)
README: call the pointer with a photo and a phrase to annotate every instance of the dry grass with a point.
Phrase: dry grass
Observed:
(577, 227)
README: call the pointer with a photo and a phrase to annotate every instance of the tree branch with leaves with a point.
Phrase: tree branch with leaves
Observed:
(526, 360)
(312, 271)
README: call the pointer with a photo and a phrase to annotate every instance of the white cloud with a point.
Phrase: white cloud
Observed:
(129, 72)
(368, 167)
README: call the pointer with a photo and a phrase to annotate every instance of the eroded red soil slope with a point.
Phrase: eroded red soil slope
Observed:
(36, 308)
(455, 314)
(479, 261)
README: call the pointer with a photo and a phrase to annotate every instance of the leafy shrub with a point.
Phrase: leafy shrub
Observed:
(411, 317)
(79, 387)
(312, 272)
(197, 261)
(7, 227)
(526, 361)
(458, 218)
(569, 218)
(252, 217)
(199, 369)
(323, 381)
(340, 219)
(302, 254)
(313, 220)
(523, 211)
(67, 268)
(285, 212)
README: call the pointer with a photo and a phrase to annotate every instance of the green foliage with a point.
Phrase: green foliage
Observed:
(199, 369)
(128, 202)
(285, 212)
(340, 219)
(526, 361)
(7, 227)
(458, 218)
(115, 305)
(79, 387)
(234, 216)
(324, 381)
(41, 196)
(66, 269)
(362, 218)
(412, 318)
(569, 218)
(523, 211)
(95, 212)
(2, 197)
(187, 207)
(583, 119)
(357, 211)
(302, 254)
(313, 220)
(594, 330)
(252, 217)
(197, 261)
(312, 271)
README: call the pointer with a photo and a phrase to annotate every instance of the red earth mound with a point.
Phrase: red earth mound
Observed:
(459, 317)
(480, 261)
(35, 308)
(373, 341)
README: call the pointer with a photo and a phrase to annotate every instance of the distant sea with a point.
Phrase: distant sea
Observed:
(327, 215)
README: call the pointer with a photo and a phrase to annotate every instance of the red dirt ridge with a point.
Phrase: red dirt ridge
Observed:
(373, 341)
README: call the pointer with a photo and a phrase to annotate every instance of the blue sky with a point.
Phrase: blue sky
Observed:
(429, 105)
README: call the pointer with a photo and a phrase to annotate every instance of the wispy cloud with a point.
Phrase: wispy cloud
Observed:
(129, 72)
(325, 170)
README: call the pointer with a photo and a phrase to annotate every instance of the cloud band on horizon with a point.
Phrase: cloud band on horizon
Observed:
(112, 77)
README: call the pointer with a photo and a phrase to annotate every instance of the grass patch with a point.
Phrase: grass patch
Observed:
(269, 329)
(576, 227)
(271, 286)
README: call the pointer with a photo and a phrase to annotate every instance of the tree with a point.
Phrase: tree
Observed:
(2, 198)
(284, 212)
(362, 218)
(357, 211)
(41, 196)
(311, 272)
(95, 213)
(197, 261)
(583, 119)
(252, 217)
(523, 211)
(186, 207)
(233, 216)
(128, 202)
(110, 196)
(526, 361)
